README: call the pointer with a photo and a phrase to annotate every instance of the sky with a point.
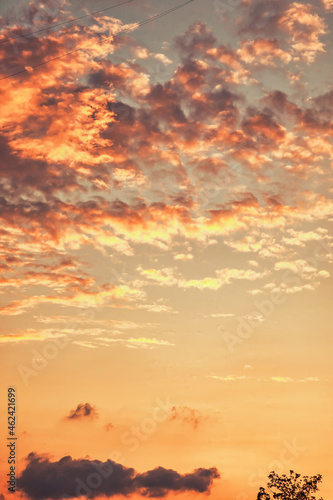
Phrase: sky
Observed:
(166, 246)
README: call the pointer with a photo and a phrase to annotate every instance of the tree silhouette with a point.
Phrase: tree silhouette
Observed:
(262, 495)
(294, 487)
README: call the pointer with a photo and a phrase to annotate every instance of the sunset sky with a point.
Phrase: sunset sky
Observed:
(166, 245)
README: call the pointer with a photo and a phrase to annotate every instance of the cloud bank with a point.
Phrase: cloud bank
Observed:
(70, 478)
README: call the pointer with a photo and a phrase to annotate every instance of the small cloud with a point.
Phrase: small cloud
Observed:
(328, 4)
(83, 411)
(143, 341)
(83, 343)
(163, 58)
(229, 378)
(186, 415)
(289, 379)
(256, 291)
(108, 427)
(184, 257)
(282, 379)
(222, 315)
(158, 308)
(23, 433)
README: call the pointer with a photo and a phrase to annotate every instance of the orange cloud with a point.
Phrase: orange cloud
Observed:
(305, 27)
(111, 295)
(168, 277)
(328, 4)
(263, 51)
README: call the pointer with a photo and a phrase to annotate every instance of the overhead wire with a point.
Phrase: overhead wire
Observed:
(52, 26)
(128, 30)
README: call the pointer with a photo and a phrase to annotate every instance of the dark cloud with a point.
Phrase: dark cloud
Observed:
(68, 478)
(262, 126)
(83, 411)
(160, 481)
(163, 100)
(262, 17)
(35, 50)
(115, 74)
(198, 38)
(191, 73)
(218, 104)
(27, 175)
(279, 103)
(299, 21)
(312, 120)
(324, 103)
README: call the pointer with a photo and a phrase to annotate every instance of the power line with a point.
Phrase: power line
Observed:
(138, 25)
(51, 26)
